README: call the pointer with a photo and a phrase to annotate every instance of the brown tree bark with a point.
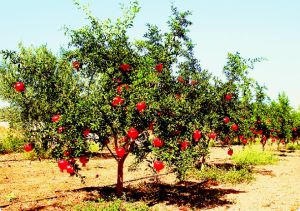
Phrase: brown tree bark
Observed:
(119, 187)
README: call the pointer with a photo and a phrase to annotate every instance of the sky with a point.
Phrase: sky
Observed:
(256, 28)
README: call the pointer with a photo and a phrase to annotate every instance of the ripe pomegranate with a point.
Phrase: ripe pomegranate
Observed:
(230, 151)
(158, 165)
(228, 97)
(184, 145)
(67, 153)
(132, 133)
(141, 106)
(197, 135)
(212, 135)
(125, 67)
(226, 120)
(28, 147)
(55, 118)
(159, 67)
(62, 164)
(84, 160)
(244, 141)
(234, 127)
(120, 151)
(70, 169)
(157, 142)
(19, 86)
(117, 101)
(60, 129)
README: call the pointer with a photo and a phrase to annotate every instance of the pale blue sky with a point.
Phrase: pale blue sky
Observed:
(256, 28)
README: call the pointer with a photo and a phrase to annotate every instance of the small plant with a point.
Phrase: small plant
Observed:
(211, 143)
(10, 197)
(253, 156)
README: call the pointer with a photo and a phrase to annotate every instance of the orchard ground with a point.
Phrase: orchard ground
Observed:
(35, 185)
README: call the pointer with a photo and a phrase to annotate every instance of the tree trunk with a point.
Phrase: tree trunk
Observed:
(119, 188)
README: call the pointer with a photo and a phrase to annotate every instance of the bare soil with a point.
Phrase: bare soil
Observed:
(39, 185)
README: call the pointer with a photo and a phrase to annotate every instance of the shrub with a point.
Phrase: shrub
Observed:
(253, 156)
(11, 141)
(291, 146)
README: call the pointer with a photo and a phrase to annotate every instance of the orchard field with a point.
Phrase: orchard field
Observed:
(115, 123)
(40, 186)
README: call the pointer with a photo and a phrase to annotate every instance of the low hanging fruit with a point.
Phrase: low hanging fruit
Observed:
(70, 169)
(19, 86)
(244, 141)
(55, 118)
(120, 151)
(226, 120)
(133, 133)
(141, 106)
(159, 67)
(234, 127)
(28, 147)
(72, 160)
(84, 160)
(62, 164)
(125, 67)
(197, 135)
(212, 135)
(157, 142)
(158, 165)
(230, 152)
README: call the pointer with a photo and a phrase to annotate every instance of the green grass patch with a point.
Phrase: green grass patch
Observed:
(114, 205)
(253, 156)
(291, 146)
(232, 175)
(11, 141)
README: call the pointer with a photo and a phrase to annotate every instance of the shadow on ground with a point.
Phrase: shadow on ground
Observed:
(192, 194)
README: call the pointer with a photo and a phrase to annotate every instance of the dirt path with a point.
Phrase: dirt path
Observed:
(39, 185)
(277, 187)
